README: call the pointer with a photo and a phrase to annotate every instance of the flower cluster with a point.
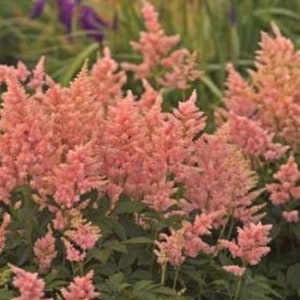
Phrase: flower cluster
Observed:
(235, 270)
(186, 241)
(29, 285)
(155, 47)
(80, 233)
(286, 188)
(252, 139)
(251, 243)
(288, 175)
(272, 97)
(45, 252)
(3, 227)
(219, 179)
(73, 147)
(81, 288)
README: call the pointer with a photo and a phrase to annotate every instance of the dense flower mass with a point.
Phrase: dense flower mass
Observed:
(252, 139)
(219, 179)
(116, 145)
(96, 138)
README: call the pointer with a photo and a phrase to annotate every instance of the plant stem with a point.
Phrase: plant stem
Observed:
(152, 262)
(177, 269)
(231, 223)
(223, 228)
(239, 285)
(238, 288)
(163, 274)
(80, 268)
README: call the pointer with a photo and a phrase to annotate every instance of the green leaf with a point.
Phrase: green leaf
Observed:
(129, 207)
(258, 288)
(165, 291)
(293, 276)
(23, 254)
(119, 230)
(78, 62)
(212, 87)
(144, 285)
(268, 289)
(115, 245)
(141, 275)
(139, 240)
(296, 230)
(6, 294)
(277, 11)
(126, 260)
(108, 269)
(56, 284)
(116, 282)
(102, 255)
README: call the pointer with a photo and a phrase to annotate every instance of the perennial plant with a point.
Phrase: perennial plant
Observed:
(106, 195)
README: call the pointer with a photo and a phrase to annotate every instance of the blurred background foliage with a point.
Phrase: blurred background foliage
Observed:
(218, 30)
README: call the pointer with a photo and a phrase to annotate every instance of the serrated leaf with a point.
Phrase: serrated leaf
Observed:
(23, 254)
(258, 287)
(102, 255)
(141, 275)
(119, 230)
(107, 269)
(117, 278)
(126, 261)
(115, 245)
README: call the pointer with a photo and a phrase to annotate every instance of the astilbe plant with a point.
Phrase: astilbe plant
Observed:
(261, 116)
(120, 192)
(64, 142)
(168, 67)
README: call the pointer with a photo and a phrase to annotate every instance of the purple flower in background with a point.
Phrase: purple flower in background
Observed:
(88, 18)
(38, 8)
(66, 8)
(92, 23)
(232, 14)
